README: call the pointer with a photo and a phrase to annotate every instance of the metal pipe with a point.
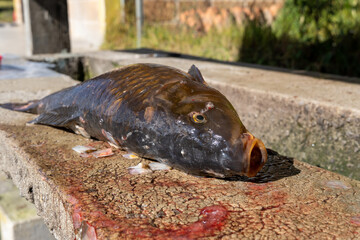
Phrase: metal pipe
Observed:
(122, 11)
(139, 21)
(28, 31)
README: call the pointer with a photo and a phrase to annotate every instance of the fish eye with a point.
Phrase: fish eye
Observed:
(198, 117)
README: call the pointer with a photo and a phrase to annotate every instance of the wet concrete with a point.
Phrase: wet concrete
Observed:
(15, 67)
(18, 219)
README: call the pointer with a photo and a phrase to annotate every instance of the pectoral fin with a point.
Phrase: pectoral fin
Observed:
(56, 119)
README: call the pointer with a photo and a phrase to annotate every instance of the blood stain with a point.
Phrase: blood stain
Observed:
(355, 220)
(213, 219)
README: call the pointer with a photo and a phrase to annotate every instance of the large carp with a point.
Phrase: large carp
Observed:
(157, 112)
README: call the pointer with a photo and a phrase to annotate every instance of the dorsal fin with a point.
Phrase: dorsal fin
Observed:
(196, 74)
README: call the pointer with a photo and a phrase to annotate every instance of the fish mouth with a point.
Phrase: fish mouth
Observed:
(254, 155)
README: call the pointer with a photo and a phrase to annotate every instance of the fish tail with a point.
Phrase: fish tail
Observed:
(29, 107)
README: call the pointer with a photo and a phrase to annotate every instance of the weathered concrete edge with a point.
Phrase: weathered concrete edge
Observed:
(17, 165)
(299, 101)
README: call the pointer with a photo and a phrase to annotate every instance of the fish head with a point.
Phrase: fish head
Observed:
(214, 136)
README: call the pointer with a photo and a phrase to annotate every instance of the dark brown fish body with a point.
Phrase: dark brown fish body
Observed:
(160, 113)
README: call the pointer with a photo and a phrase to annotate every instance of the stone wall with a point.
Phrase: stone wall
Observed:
(205, 14)
(87, 24)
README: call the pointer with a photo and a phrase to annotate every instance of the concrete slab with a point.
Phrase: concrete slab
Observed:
(91, 198)
(87, 24)
(15, 67)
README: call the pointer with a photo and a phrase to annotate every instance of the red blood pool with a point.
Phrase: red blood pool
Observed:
(213, 219)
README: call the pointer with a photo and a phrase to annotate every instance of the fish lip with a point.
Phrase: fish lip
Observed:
(254, 155)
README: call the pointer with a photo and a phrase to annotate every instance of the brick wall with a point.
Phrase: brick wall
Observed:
(205, 14)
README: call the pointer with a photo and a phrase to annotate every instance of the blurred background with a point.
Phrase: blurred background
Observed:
(312, 35)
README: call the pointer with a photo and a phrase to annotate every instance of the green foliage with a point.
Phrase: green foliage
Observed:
(119, 34)
(317, 20)
(8, 4)
(217, 44)
(5, 16)
(6, 8)
(321, 35)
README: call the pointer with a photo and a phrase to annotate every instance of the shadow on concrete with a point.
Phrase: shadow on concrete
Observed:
(276, 168)
(159, 53)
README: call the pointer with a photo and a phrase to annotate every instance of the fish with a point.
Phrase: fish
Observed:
(160, 113)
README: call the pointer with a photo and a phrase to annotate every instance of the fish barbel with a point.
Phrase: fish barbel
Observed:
(157, 112)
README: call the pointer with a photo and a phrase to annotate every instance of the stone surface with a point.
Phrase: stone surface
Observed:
(12, 39)
(18, 219)
(90, 198)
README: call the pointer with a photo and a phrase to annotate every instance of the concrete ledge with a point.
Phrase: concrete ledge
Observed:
(91, 198)
(98, 197)
(18, 219)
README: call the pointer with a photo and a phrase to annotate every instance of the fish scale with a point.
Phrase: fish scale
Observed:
(157, 112)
